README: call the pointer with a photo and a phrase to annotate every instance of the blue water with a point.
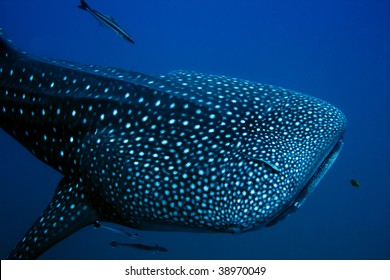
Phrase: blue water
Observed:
(337, 50)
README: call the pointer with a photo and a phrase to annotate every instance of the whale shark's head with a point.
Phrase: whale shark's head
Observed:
(248, 153)
(184, 150)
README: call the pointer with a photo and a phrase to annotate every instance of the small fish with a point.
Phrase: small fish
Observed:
(106, 20)
(155, 248)
(117, 230)
(354, 183)
(269, 164)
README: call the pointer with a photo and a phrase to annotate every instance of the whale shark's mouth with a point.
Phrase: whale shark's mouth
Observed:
(311, 183)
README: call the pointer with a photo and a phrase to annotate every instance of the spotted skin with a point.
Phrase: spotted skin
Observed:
(68, 211)
(184, 151)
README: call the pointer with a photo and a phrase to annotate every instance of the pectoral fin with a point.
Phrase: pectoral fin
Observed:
(68, 212)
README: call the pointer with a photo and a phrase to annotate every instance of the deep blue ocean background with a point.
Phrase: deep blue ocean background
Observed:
(337, 50)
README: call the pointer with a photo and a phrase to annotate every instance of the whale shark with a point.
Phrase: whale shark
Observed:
(182, 151)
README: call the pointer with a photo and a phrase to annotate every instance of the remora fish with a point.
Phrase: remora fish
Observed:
(180, 151)
(143, 247)
(117, 230)
(106, 21)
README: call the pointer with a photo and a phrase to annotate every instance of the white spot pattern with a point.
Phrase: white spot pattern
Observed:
(185, 149)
